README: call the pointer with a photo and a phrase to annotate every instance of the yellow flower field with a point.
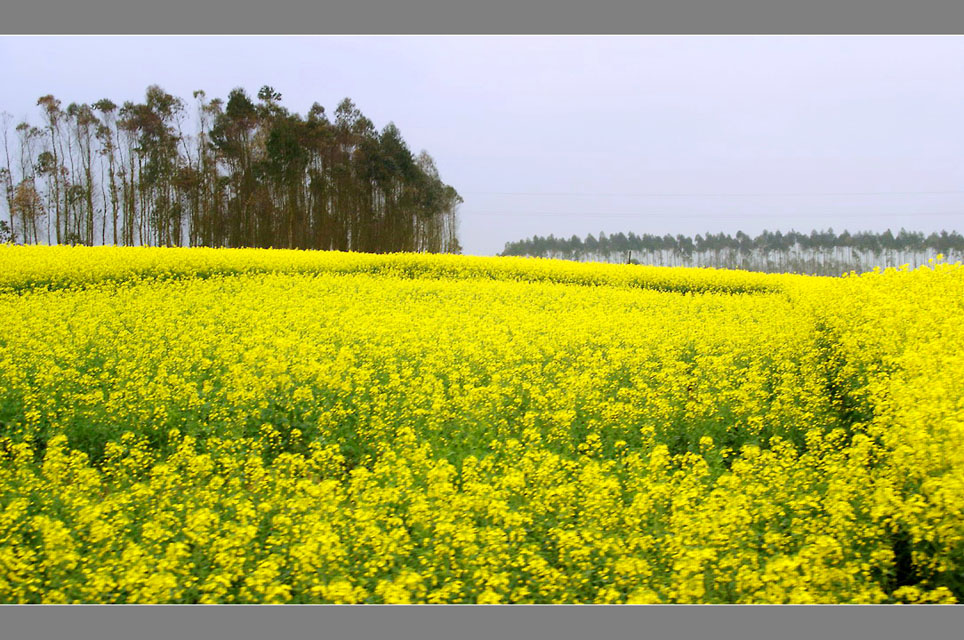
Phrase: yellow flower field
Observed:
(212, 425)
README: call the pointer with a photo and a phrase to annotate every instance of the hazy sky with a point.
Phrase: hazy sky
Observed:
(580, 135)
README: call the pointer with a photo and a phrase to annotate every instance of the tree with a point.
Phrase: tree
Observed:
(254, 174)
(6, 175)
(52, 168)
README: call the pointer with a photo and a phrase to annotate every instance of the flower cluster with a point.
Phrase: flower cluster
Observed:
(280, 426)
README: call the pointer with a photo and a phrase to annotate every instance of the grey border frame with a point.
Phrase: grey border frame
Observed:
(468, 622)
(283, 17)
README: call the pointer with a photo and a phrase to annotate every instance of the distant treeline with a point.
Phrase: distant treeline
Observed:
(819, 252)
(252, 174)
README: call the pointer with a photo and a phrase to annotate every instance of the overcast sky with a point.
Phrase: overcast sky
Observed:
(579, 135)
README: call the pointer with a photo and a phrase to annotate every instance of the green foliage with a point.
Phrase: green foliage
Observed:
(253, 175)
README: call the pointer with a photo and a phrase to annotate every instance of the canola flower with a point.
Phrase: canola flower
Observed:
(36, 266)
(201, 425)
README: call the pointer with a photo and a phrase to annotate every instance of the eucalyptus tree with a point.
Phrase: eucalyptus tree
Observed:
(84, 128)
(6, 174)
(106, 134)
(437, 208)
(231, 136)
(392, 171)
(50, 159)
(28, 204)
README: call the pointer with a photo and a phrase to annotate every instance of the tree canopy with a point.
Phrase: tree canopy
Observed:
(252, 174)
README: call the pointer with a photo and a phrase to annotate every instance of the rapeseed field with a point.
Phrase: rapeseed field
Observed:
(263, 426)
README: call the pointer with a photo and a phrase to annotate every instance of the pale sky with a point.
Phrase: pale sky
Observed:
(577, 135)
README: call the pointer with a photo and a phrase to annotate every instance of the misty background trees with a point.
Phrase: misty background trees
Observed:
(250, 174)
(819, 252)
